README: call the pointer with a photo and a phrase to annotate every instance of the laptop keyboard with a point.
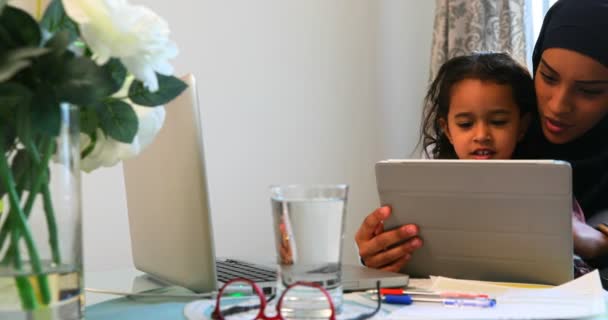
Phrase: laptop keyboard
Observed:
(230, 269)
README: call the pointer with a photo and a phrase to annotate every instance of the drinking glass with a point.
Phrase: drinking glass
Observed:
(309, 228)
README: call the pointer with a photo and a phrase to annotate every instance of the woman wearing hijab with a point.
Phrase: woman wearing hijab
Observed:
(570, 62)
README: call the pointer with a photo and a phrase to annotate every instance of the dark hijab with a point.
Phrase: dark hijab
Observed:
(581, 26)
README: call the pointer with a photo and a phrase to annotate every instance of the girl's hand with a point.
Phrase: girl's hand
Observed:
(378, 249)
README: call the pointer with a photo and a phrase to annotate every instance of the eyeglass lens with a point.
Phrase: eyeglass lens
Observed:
(239, 300)
(304, 302)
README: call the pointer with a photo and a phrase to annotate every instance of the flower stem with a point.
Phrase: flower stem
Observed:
(9, 184)
(90, 147)
(8, 226)
(26, 292)
(39, 168)
(40, 174)
(49, 212)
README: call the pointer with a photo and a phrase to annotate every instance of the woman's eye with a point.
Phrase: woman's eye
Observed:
(591, 92)
(547, 78)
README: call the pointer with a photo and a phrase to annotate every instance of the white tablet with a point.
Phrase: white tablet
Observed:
(493, 220)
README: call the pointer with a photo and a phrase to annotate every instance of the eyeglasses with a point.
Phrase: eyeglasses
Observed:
(243, 295)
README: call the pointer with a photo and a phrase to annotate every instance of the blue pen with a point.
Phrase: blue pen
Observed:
(407, 299)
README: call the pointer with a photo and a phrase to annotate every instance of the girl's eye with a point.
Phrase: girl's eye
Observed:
(464, 125)
(499, 122)
(547, 78)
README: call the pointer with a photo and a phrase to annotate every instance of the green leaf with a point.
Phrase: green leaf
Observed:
(50, 67)
(6, 42)
(16, 60)
(26, 53)
(22, 28)
(24, 124)
(59, 42)
(2, 4)
(21, 163)
(88, 120)
(117, 71)
(7, 70)
(55, 19)
(118, 120)
(169, 87)
(45, 113)
(22, 167)
(10, 136)
(83, 82)
(12, 97)
(23, 120)
(90, 147)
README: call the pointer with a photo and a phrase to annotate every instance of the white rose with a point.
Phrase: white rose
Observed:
(134, 34)
(108, 152)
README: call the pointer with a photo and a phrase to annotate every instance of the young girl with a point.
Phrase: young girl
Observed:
(478, 107)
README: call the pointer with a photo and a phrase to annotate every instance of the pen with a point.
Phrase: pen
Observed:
(407, 300)
(462, 295)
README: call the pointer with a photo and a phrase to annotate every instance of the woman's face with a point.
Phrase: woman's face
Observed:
(572, 93)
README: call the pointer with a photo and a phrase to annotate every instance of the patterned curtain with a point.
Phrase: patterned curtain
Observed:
(464, 26)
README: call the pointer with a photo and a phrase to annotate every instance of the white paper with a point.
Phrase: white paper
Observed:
(580, 298)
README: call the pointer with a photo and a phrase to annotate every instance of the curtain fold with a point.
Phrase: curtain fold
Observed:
(465, 26)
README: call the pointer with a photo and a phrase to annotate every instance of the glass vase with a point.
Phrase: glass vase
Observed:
(40, 223)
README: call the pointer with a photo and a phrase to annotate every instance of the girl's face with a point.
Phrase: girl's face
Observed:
(572, 93)
(483, 121)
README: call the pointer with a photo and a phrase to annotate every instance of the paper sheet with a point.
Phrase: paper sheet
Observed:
(580, 298)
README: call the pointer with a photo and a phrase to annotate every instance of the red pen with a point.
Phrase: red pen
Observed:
(462, 295)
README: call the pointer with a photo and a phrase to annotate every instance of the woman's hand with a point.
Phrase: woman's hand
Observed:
(376, 247)
(589, 243)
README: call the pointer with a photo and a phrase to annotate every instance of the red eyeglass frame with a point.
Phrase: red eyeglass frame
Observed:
(217, 314)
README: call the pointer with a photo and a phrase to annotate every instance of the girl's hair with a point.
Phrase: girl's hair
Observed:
(498, 68)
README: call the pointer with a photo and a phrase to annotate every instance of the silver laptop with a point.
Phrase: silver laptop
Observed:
(169, 217)
(507, 220)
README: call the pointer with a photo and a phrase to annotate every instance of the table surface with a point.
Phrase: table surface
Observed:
(100, 306)
(116, 280)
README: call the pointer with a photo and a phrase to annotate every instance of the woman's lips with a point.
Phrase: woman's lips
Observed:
(555, 126)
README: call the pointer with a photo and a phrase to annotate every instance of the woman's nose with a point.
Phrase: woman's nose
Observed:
(559, 101)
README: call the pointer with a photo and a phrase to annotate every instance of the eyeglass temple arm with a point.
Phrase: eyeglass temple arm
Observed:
(378, 306)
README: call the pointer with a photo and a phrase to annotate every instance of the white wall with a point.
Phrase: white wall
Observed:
(405, 48)
(308, 91)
